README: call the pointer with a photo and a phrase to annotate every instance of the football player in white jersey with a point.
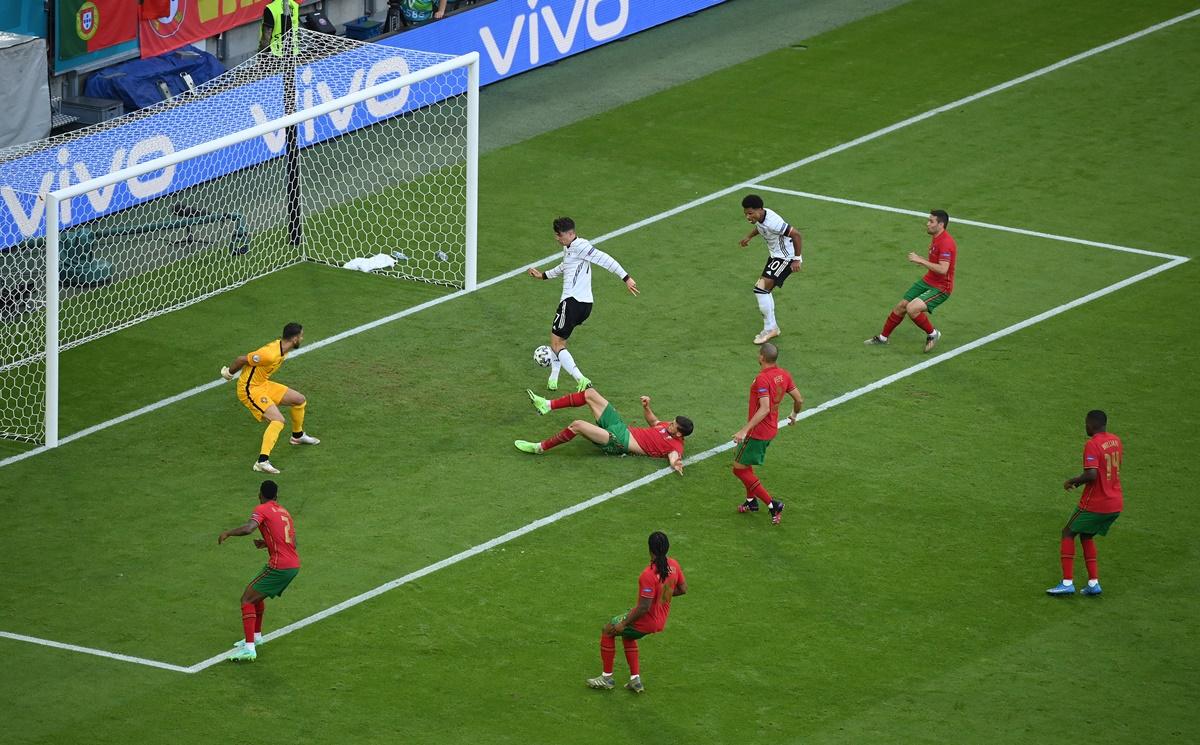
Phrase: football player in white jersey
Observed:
(783, 248)
(575, 305)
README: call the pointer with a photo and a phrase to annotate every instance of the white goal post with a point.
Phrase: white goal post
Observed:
(393, 175)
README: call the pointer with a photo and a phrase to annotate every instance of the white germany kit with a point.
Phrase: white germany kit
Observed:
(775, 231)
(576, 269)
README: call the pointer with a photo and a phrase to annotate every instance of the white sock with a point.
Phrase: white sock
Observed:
(1093, 582)
(766, 305)
(881, 337)
(257, 637)
(568, 364)
(1068, 581)
(555, 366)
(250, 646)
(606, 675)
(636, 677)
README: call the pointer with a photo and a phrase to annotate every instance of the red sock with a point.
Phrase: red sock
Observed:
(1068, 557)
(754, 487)
(259, 608)
(570, 400)
(762, 494)
(1089, 555)
(891, 323)
(565, 436)
(608, 651)
(922, 320)
(248, 621)
(748, 479)
(631, 656)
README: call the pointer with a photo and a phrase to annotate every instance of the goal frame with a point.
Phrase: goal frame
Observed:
(56, 197)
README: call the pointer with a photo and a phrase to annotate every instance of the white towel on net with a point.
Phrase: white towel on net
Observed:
(378, 261)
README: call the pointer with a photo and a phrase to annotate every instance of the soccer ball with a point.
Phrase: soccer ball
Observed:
(542, 355)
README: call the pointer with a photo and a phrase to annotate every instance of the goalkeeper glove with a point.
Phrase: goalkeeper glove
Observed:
(226, 374)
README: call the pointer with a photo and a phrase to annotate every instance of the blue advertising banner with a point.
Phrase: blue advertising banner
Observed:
(512, 36)
(177, 127)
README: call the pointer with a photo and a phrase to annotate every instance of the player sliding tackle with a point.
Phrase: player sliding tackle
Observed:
(610, 433)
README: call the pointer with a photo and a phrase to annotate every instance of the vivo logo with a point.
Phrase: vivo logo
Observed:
(29, 219)
(561, 34)
(141, 187)
(308, 96)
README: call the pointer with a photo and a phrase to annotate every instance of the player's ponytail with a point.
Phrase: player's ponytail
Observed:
(658, 549)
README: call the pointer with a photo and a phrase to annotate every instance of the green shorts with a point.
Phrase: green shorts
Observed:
(932, 296)
(629, 632)
(272, 582)
(1091, 523)
(751, 452)
(618, 440)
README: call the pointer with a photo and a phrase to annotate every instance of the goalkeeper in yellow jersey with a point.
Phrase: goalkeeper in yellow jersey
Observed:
(263, 397)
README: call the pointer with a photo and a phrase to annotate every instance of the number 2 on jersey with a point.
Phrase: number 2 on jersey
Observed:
(288, 533)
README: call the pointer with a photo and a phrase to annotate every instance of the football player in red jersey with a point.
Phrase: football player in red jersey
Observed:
(283, 564)
(1099, 506)
(657, 584)
(762, 424)
(610, 433)
(931, 290)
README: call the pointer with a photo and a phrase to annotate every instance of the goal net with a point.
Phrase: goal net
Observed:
(332, 151)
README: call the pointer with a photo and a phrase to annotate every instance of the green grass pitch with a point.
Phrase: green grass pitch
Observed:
(901, 600)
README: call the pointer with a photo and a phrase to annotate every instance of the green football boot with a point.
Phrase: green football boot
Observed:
(526, 446)
(539, 403)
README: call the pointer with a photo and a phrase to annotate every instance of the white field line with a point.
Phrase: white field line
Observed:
(650, 478)
(97, 652)
(641, 223)
(959, 220)
(511, 535)
(981, 94)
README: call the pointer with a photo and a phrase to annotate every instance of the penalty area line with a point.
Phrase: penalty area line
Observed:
(96, 652)
(716, 450)
(963, 221)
